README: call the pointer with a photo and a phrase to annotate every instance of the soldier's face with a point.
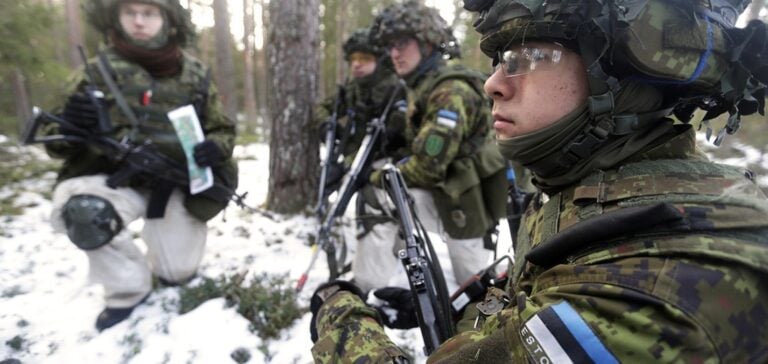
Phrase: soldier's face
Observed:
(527, 102)
(405, 55)
(141, 21)
(362, 64)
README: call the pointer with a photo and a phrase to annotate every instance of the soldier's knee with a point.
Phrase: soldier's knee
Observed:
(91, 221)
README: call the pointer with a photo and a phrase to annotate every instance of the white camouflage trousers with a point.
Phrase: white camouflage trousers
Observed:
(375, 260)
(175, 243)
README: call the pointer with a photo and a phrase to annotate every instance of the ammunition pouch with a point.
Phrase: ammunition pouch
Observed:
(472, 197)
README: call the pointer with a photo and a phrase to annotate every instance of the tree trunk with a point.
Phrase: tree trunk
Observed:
(249, 92)
(21, 98)
(341, 34)
(74, 32)
(262, 74)
(56, 30)
(292, 53)
(225, 66)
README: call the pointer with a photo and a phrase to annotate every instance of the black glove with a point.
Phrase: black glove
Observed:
(335, 174)
(82, 112)
(322, 294)
(394, 139)
(207, 153)
(397, 310)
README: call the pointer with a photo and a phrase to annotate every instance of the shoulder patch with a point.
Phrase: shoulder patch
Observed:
(558, 334)
(447, 118)
(434, 144)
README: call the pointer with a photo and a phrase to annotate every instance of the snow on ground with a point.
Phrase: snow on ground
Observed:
(47, 302)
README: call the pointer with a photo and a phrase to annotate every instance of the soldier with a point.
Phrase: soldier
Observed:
(363, 99)
(153, 75)
(636, 248)
(454, 172)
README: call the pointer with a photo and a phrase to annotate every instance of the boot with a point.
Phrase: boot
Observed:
(112, 316)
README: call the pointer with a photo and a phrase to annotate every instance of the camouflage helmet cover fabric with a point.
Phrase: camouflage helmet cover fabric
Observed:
(102, 14)
(415, 20)
(689, 46)
(360, 41)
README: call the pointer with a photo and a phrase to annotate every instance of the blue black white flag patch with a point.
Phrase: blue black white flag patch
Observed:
(447, 118)
(558, 334)
(401, 106)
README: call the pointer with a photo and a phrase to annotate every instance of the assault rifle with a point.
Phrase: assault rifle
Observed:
(134, 160)
(331, 155)
(351, 183)
(425, 276)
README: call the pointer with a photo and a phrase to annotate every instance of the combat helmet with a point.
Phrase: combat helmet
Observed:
(688, 49)
(360, 41)
(102, 14)
(415, 20)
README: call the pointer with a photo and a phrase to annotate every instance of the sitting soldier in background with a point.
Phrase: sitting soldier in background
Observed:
(635, 248)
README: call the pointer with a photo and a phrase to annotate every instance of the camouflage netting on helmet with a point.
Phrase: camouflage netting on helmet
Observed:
(688, 48)
(102, 14)
(360, 41)
(411, 19)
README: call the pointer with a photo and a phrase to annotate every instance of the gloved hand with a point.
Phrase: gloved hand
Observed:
(207, 153)
(397, 309)
(335, 174)
(81, 111)
(322, 294)
(394, 139)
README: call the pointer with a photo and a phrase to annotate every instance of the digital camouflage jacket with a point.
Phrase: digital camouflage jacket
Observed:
(364, 100)
(452, 152)
(662, 260)
(151, 99)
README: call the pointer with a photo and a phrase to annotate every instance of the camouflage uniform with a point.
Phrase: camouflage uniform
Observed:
(453, 171)
(174, 220)
(659, 257)
(364, 100)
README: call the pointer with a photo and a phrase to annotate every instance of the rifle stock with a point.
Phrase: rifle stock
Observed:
(425, 276)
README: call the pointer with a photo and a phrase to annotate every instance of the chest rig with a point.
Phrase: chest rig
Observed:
(649, 207)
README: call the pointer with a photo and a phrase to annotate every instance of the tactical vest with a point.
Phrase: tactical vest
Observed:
(657, 207)
(150, 101)
(472, 197)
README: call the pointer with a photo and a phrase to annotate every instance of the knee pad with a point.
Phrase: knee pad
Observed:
(91, 221)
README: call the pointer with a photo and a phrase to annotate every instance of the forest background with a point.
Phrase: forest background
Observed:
(272, 62)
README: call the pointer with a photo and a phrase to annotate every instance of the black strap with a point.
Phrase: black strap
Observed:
(158, 200)
(102, 66)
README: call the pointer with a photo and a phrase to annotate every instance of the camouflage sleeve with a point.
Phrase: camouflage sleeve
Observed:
(636, 310)
(449, 118)
(217, 126)
(350, 333)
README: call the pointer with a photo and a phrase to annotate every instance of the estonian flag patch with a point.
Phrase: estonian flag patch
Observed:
(447, 118)
(558, 334)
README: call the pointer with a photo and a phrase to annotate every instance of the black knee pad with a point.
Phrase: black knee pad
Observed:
(91, 221)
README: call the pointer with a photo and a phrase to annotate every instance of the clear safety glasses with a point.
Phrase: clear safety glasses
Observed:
(523, 59)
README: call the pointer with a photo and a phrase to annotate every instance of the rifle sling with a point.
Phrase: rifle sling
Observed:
(101, 65)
